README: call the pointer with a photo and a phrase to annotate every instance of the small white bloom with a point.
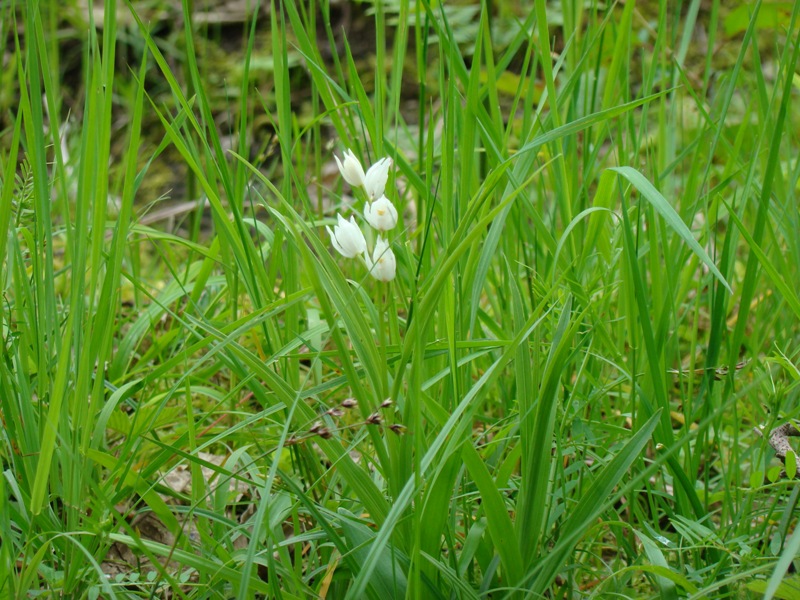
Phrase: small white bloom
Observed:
(347, 238)
(351, 169)
(382, 265)
(381, 214)
(376, 177)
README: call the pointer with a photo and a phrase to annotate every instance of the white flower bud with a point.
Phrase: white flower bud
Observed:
(376, 177)
(382, 265)
(381, 214)
(351, 169)
(347, 238)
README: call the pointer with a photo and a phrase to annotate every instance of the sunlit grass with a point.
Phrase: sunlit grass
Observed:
(554, 396)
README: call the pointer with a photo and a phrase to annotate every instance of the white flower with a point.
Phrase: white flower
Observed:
(376, 177)
(383, 265)
(351, 169)
(347, 238)
(381, 214)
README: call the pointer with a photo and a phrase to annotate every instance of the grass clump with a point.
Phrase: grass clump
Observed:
(564, 364)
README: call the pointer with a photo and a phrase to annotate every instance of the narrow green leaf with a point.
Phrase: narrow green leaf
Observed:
(591, 505)
(388, 579)
(777, 278)
(664, 208)
(790, 551)
(499, 522)
(656, 557)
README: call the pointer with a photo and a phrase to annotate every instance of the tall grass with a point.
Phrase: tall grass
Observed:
(556, 395)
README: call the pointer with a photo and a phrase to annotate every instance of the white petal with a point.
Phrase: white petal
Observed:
(384, 264)
(351, 168)
(334, 241)
(376, 177)
(347, 238)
